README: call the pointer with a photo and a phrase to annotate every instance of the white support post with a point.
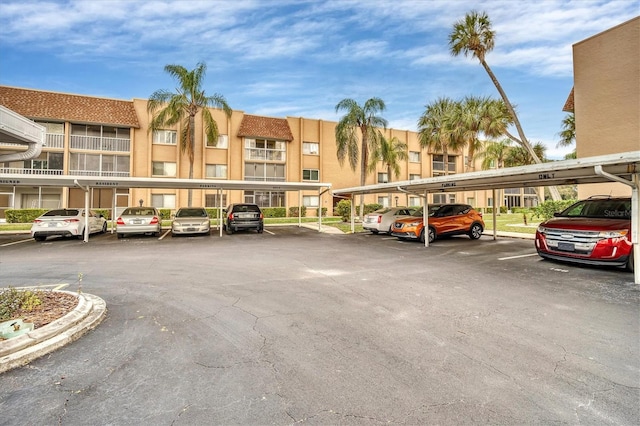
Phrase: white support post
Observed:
(494, 216)
(425, 219)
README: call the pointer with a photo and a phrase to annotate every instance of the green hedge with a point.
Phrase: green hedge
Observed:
(274, 211)
(293, 211)
(23, 215)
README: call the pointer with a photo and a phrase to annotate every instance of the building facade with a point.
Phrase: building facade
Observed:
(105, 137)
(606, 98)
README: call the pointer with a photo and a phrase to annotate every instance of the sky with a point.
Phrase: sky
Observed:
(299, 58)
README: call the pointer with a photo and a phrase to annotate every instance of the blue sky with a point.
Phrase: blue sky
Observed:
(300, 58)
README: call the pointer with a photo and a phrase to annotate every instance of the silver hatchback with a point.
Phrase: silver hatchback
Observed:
(139, 220)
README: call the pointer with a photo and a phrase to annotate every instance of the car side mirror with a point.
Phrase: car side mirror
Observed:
(556, 214)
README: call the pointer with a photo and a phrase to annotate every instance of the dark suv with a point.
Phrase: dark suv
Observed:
(243, 216)
(595, 231)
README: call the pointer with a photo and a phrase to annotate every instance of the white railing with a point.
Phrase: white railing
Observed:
(98, 173)
(264, 154)
(97, 143)
(21, 171)
(54, 140)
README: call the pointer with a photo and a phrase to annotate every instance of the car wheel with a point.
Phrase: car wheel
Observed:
(104, 228)
(422, 236)
(81, 236)
(260, 230)
(476, 231)
(432, 235)
(630, 261)
(229, 230)
(39, 238)
(120, 236)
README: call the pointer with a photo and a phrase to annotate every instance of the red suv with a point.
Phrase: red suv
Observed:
(595, 231)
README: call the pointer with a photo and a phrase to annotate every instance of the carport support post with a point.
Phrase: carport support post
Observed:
(635, 226)
(353, 221)
(299, 208)
(220, 217)
(319, 209)
(494, 216)
(425, 219)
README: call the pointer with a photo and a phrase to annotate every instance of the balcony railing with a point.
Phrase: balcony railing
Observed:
(264, 178)
(264, 154)
(97, 143)
(54, 140)
(98, 173)
(22, 171)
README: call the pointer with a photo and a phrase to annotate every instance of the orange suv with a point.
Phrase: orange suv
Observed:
(447, 219)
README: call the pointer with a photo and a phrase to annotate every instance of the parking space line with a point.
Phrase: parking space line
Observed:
(517, 257)
(268, 232)
(16, 242)
(165, 234)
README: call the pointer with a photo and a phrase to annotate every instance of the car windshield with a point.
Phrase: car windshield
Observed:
(245, 208)
(62, 212)
(191, 213)
(137, 211)
(603, 209)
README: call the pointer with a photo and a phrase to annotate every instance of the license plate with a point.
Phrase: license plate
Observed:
(191, 229)
(136, 221)
(566, 247)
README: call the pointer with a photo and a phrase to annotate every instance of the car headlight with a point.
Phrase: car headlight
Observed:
(614, 234)
(416, 223)
(204, 222)
(542, 229)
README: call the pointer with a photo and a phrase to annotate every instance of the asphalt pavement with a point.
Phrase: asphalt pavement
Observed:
(293, 326)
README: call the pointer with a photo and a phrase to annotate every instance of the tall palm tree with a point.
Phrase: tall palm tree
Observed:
(494, 153)
(169, 109)
(390, 152)
(568, 134)
(437, 129)
(473, 36)
(518, 156)
(366, 121)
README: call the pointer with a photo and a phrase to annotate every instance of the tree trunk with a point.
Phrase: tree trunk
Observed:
(192, 145)
(363, 168)
(523, 139)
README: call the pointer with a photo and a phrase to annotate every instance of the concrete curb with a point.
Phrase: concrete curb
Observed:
(21, 350)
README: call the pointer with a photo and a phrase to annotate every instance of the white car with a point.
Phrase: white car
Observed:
(382, 219)
(190, 220)
(66, 223)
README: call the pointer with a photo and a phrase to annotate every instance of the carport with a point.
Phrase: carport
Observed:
(86, 183)
(622, 167)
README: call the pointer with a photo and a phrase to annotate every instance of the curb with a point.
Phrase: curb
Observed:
(21, 350)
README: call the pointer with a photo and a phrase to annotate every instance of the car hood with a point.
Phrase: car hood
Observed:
(587, 224)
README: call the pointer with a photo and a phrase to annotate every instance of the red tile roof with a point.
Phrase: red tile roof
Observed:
(254, 126)
(568, 105)
(40, 105)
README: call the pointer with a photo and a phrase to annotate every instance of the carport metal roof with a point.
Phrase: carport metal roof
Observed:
(88, 182)
(622, 167)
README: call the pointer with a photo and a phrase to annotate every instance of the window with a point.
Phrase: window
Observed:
(438, 164)
(216, 171)
(164, 169)
(383, 201)
(47, 162)
(265, 198)
(264, 171)
(263, 149)
(223, 142)
(165, 137)
(383, 178)
(54, 134)
(311, 148)
(414, 201)
(310, 200)
(98, 164)
(99, 138)
(212, 200)
(311, 174)
(163, 201)
(414, 177)
(444, 198)
(414, 156)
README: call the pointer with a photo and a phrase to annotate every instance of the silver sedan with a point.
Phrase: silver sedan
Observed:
(382, 219)
(139, 220)
(190, 220)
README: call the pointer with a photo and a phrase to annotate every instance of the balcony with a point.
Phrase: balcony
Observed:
(54, 140)
(97, 143)
(264, 154)
(98, 173)
(22, 171)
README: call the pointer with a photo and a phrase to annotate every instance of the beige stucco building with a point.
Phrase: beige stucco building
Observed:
(106, 137)
(606, 98)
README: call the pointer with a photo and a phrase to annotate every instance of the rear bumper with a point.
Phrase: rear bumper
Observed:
(66, 233)
(133, 229)
(246, 225)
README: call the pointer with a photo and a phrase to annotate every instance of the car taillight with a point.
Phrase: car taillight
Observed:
(230, 217)
(37, 221)
(154, 220)
(120, 221)
(379, 219)
(261, 215)
(72, 220)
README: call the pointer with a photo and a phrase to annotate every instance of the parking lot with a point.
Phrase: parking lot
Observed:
(294, 326)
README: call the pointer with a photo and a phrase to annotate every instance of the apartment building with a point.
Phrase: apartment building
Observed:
(106, 137)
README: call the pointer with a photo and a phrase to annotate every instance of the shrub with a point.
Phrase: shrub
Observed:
(274, 211)
(12, 300)
(23, 215)
(548, 208)
(165, 214)
(370, 208)
(106, 213)
(213, 212)
(343, 209)
(323, 210)
(293, 211)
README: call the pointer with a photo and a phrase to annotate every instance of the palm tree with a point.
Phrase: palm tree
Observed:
(478, 115)
(494, 153)
(473, 36)
(366, 120)
(169, 109)
(390, 152)
(437, 129)
(568, 134)
(518, 156)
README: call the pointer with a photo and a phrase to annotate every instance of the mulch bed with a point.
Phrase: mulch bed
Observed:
(54, 305)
